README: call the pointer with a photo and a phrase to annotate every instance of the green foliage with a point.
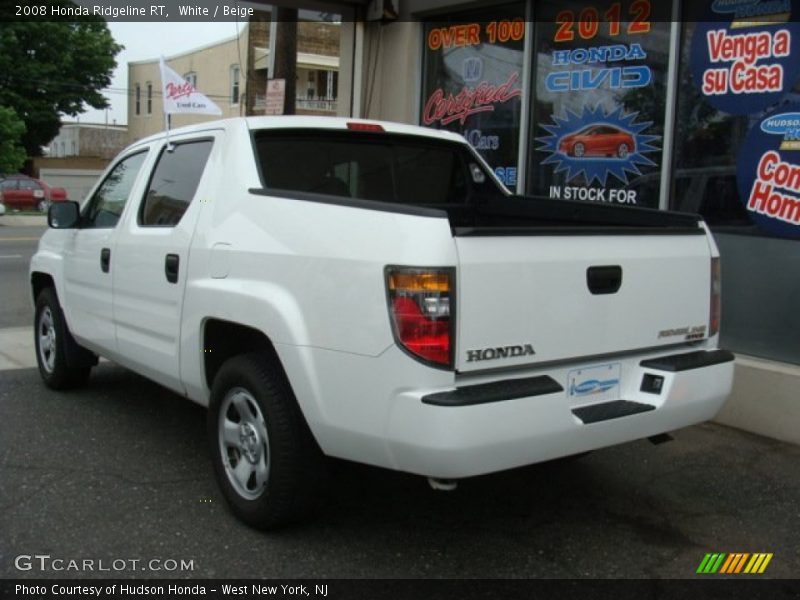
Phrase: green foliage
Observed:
(12, 155)
(48, 68)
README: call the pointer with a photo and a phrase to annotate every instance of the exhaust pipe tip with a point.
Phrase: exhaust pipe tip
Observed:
(442, 485)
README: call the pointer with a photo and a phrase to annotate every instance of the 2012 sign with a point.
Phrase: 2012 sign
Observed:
(587, 23)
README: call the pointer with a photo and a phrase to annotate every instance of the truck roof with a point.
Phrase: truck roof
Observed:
(305, 122)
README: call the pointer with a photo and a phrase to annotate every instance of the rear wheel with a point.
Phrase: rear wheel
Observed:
(623, 151)
(51, 338)
(265, 459)
(43, 205)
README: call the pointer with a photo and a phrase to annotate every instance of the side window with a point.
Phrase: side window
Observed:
(174, 183)
(105, 207)
(8, 184)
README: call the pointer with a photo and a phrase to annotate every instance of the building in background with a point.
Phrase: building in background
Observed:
(88, 139)
(214, 69)
(318, 57)
(78, 155)
(233, 74)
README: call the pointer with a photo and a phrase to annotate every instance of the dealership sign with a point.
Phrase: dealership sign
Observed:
(745, 56)
(596, 145)
(472, 82)
(769, 173)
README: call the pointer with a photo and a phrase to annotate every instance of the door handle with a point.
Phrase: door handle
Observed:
(105, 259)
(171, 267)
(604, 280)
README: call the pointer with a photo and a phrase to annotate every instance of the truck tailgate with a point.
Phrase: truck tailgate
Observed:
(525, 299)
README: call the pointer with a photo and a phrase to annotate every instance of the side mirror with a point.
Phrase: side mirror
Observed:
(64, 214)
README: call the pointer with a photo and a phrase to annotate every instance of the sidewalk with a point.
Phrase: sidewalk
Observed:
(16, 348)
(12, 220)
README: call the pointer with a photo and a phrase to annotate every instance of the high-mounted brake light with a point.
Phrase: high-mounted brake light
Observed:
(716, 298)
(420, 304)
(372, 127)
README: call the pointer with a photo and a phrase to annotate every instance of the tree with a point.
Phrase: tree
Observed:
(12, 155)
(48, 68)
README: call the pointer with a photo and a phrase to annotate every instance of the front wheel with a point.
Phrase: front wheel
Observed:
(51, 337)
(578, 150)
(265, 460)
(43, 205)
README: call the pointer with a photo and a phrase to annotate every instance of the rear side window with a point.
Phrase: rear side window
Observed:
(379, 167)
(174, 183)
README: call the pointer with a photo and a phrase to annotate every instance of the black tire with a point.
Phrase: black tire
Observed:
(274, 444)
(52, 359)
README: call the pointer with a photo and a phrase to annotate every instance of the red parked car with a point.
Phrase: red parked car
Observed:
(26, 193)
(598, 140)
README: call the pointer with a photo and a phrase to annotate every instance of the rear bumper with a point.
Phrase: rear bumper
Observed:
(474, 429)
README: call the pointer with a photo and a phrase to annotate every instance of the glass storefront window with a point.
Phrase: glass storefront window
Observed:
(600, 73)
(472, 82)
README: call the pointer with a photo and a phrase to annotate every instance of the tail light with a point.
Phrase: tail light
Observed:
(716, 288)
(420, 307)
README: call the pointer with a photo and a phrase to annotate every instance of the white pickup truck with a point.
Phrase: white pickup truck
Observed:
(370, 291)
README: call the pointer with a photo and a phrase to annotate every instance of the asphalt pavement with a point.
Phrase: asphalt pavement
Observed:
(121, 471)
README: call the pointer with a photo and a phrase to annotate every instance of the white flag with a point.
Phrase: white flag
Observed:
(181, 97)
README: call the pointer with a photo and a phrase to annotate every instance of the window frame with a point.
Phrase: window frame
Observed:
(165, 148)
(137, 94)
(235, 84)
(149, 105)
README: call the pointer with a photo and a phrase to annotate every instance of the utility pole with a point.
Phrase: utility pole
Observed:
(286, 53)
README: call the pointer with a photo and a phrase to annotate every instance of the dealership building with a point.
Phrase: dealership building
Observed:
(680, 105)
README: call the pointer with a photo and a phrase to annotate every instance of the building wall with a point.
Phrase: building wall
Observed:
(393, 92)
(102, 142)
(66, 143)
(89, 139)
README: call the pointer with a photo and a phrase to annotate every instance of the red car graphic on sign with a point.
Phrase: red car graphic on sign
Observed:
(598, 140)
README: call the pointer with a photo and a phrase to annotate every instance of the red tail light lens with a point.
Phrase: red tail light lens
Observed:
(420, 304)
(716, 298)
